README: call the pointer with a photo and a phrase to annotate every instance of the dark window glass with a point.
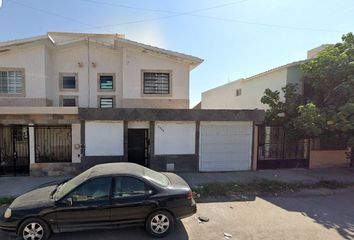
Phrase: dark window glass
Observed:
(106, 82)
(129, 187)
(69, 82)
(69, 102)
(156, 83)
(94, 190)
(238, 92)
(106, 102)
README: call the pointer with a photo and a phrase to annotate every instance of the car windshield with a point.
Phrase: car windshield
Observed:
(70, 185)
(156, 177)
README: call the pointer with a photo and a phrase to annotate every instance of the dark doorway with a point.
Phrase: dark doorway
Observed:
(138, 146)
(14, 150)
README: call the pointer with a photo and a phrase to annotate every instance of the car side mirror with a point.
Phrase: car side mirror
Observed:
(69, 201)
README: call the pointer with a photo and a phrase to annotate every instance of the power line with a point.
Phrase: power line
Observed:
(173, 15)
(192, 14)
(55, 14)
(159, 10)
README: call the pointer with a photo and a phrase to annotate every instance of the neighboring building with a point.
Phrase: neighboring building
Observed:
(246, 93)
(272, 153)
(71, 100)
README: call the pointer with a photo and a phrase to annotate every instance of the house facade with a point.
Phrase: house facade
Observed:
(272, 151)
(69, 101)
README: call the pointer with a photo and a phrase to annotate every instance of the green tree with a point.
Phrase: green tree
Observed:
(327, 105)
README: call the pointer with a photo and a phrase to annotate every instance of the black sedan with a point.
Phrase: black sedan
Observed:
(103, 197)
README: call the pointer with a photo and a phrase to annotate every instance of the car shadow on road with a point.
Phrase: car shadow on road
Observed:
(238, 198)
(130, 233)
(331, 212)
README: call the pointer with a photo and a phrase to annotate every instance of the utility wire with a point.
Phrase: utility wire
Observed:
(159, 10)
(192, 14)
(173, 15)
(55, 14)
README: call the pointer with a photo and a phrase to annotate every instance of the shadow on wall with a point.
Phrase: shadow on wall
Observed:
(131, 233)
(333, 212)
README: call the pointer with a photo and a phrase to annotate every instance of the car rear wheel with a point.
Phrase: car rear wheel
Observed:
(34, 229)
(159, 223)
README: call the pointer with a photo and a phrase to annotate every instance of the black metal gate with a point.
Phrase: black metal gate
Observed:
(277, 150)
(53, 144)
(14, 150)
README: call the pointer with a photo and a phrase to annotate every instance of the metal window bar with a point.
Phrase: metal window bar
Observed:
(53, 144)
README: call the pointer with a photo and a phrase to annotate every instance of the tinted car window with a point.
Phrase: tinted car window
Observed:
(129, 187)
(94, 190)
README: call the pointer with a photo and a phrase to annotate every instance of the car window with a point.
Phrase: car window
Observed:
(94, 190)
(129, 187)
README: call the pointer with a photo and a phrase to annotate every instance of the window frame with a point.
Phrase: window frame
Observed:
(62, 97)
(61, 82)
(238, 92)
(99, 89)
(106, 97)
(170, 87)
(23, 92)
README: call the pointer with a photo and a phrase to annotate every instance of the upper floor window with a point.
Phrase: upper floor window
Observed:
(238, 92)
(11, 81)
(106, 82)
(68, 82)
(156, 82)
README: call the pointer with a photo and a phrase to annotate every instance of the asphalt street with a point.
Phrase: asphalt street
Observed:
(307, 217)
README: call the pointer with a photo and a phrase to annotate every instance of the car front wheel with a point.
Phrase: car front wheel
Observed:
(159, 223)
(33, 229)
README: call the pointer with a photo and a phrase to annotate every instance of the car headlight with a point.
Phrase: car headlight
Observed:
(7, 213)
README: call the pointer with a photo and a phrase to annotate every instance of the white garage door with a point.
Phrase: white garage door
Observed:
(225, 146)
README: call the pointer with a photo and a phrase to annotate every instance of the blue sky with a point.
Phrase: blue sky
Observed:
(236, 38)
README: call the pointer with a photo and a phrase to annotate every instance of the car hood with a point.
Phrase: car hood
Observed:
(39, 197)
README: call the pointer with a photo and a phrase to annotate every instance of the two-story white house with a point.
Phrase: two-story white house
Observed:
(246, 93)
(72, 100)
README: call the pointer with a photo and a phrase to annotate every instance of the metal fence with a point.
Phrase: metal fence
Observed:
(53, 144)
(277, 150)
(14, 150)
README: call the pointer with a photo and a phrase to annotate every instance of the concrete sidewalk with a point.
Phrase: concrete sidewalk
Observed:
(283, 175)
(15, 186)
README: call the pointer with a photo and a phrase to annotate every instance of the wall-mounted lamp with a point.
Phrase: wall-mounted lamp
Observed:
(93, 64)
(80, 64)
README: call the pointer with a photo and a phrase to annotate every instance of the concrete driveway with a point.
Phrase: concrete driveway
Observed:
(307, 217)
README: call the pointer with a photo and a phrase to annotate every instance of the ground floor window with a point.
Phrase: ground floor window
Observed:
(53, 144)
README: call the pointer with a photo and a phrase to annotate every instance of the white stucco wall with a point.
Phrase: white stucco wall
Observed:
(104, 138)
(32, 60)
(175, 138)
(44, 61)
(135, 61)
(76, 142)
(66, 59)
(224, 97)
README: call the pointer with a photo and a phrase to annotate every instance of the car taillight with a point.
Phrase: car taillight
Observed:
(190, 195)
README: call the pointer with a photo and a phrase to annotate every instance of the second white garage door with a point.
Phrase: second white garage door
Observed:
(225, 146)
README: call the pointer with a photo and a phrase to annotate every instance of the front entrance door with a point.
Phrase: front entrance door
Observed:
(138, 146)
(14, 150)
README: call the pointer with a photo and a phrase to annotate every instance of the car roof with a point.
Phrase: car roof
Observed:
(116, 169)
